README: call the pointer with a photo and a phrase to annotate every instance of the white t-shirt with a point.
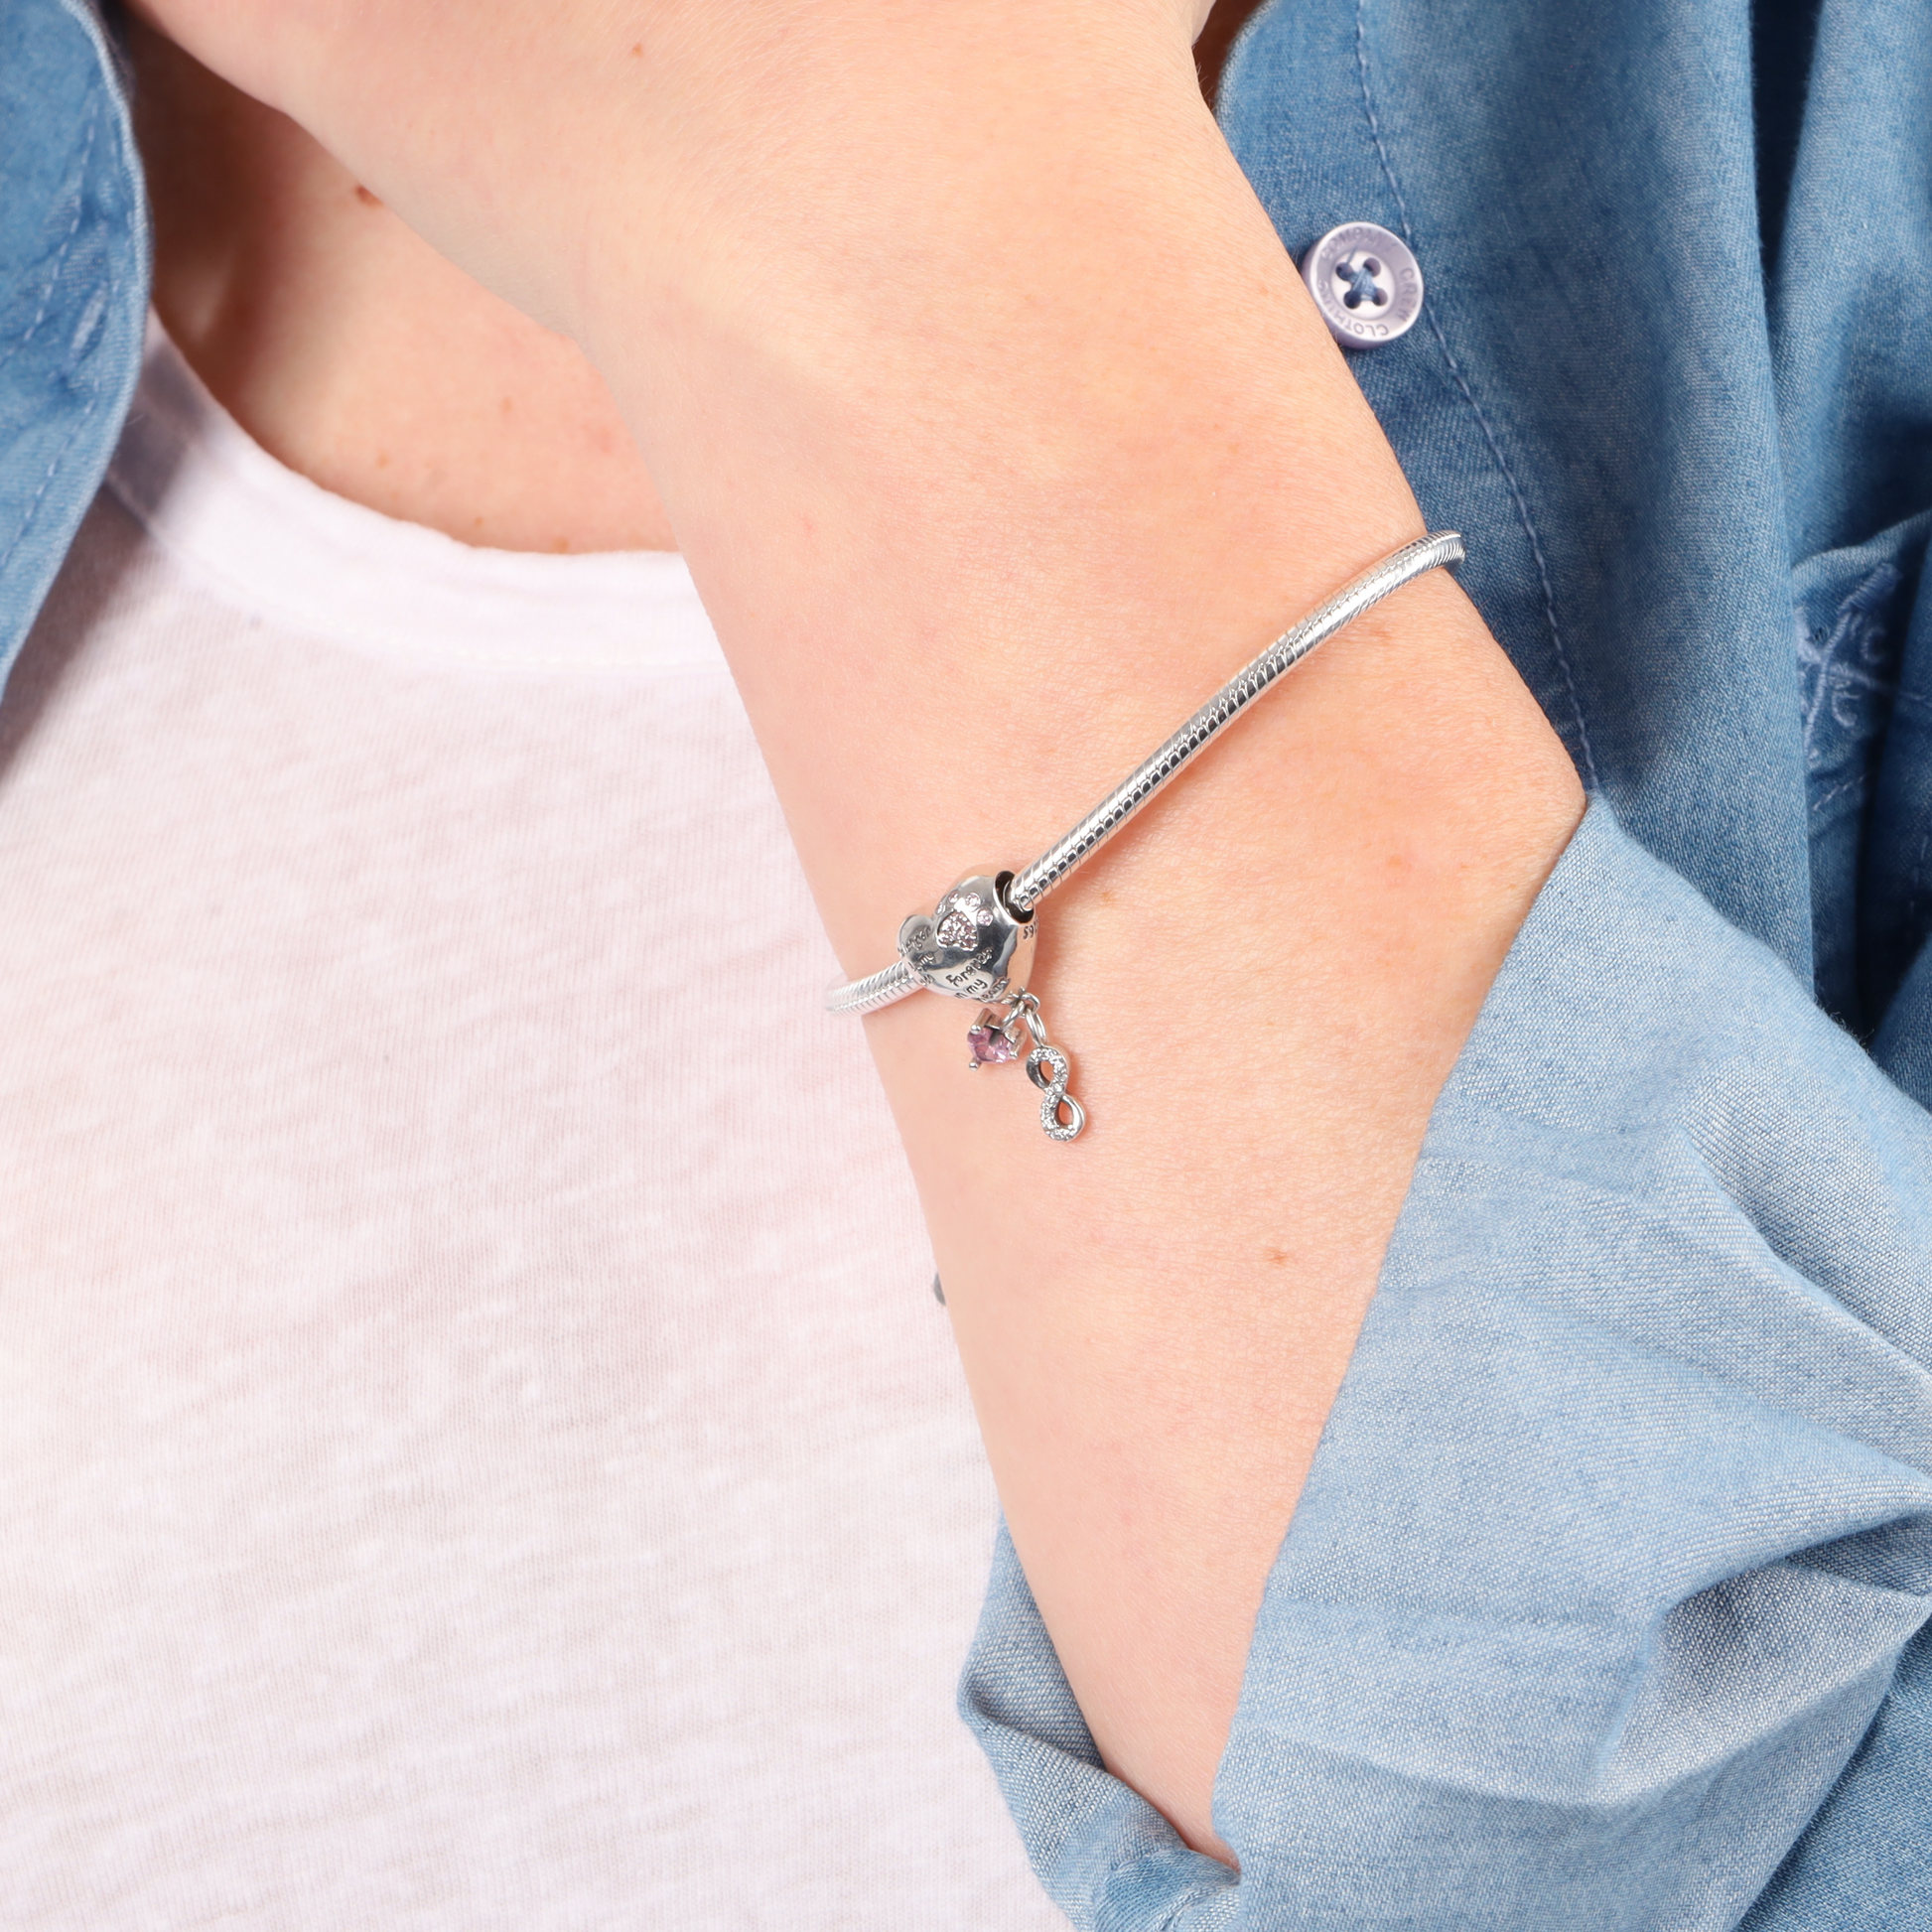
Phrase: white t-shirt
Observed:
(477, 1444)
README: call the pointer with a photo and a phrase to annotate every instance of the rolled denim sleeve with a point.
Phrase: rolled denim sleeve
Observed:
(1605, 1603)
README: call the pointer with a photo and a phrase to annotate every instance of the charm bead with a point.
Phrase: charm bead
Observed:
(969, 945)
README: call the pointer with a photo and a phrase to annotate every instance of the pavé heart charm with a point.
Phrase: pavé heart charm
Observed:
(971, 946)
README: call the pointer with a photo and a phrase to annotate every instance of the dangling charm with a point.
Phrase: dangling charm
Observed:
(995, 1037)
(1052, 1084)
(990, 1041)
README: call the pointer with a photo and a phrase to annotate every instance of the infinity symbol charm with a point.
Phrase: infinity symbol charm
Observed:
(1052, 1084)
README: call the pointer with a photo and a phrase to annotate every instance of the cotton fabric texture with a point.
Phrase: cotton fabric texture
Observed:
(475, 1418)
(1607, 1603)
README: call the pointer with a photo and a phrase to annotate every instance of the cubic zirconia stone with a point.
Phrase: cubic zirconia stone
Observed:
(988, 1044)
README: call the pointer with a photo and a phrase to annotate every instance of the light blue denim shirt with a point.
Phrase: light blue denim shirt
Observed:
(1607, 1602)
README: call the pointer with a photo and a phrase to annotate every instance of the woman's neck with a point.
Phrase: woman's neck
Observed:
(354, 352)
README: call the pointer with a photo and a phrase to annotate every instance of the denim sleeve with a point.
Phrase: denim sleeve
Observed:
(73, 287)
(1605, 1603)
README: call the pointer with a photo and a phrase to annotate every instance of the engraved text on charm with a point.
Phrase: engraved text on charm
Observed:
(970, 946)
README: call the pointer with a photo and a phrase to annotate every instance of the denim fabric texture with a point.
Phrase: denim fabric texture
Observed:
(73, 288)
(1607, 1603)
(1623, 1521)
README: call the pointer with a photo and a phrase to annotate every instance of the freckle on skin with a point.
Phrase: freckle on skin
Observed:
(1277, 1258)
(364, 195)
(638, 50)
(561, 545)
(381, 459)
(506, 405)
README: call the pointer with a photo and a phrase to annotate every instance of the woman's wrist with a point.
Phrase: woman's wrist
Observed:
(1045, 470)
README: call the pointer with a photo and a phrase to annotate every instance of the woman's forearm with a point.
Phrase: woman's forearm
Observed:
(998, 432)
(1016, 438)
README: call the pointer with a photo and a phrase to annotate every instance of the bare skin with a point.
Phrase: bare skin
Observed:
(353, 352)
(997, 429)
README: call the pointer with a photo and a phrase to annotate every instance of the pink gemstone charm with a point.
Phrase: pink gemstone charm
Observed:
(988, 1044)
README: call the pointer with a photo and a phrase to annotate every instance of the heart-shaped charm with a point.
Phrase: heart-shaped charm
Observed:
(971, 946)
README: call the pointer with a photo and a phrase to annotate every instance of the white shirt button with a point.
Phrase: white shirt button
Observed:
(1366, 282)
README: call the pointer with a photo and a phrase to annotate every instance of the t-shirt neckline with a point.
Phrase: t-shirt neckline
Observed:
(320, 565)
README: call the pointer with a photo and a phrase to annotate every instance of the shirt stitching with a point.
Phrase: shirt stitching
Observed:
(80, 422)
(73, 229)
(1857, 627)
(1589, 759)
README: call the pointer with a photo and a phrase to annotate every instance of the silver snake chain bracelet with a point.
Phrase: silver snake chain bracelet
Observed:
(977, 943)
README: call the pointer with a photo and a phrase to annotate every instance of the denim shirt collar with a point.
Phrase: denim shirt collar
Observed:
(74, 260)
